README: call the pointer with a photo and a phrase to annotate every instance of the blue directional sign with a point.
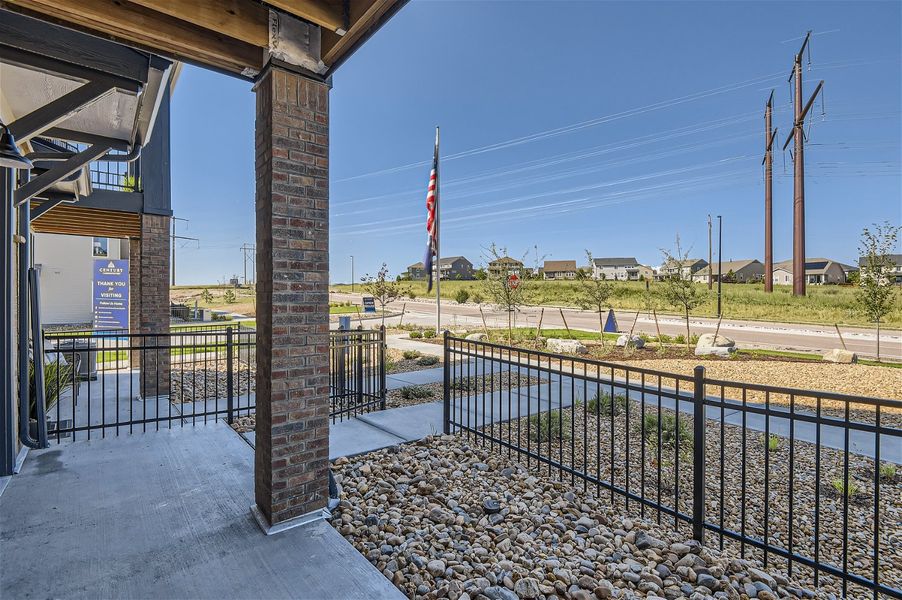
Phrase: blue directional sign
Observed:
(610, 324)
(369, 304)
(110, 294)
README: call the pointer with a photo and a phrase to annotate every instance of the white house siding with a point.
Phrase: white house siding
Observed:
(65, 263)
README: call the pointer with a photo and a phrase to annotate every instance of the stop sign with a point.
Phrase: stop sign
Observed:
(514, 281)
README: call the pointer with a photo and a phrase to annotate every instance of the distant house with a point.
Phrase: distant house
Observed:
(505, 266)
(452, 268)
(687, 268)
(559, 269)
(616, 269)
(896, 272)
(817, 271)
(734, 271)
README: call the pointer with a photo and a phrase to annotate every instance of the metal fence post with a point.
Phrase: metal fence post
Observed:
(230, 382)
(358, 368)
(446, 386)
(698, 454)
(382, 384)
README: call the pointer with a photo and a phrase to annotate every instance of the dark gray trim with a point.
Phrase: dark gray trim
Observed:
(155, 168)
(49, 204)
(131, 202)
(45, 64)
(88, 138)
(77, 49)
(7, 373)
(38, 121)
(59, 171)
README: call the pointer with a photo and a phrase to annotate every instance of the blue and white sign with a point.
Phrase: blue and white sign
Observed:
(110, 294)
(369, 304)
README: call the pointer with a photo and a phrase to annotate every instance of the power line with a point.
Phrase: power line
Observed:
(252, 248)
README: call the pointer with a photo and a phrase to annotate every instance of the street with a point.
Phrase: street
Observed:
(747, 334)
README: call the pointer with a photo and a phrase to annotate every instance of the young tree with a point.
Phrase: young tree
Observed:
(678, 288)
(876, 290)
(504, 288)
(382, 288)
(594, 294)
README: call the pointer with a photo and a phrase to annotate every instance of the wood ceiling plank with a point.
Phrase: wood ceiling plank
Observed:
(240, 19)
(157, 32)
(369, 18)
(322, 13)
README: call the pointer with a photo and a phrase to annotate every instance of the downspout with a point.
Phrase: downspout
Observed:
(38, 343)
(132, 155)
(24, 243)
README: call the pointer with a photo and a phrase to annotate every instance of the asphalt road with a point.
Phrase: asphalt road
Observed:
(747, 334)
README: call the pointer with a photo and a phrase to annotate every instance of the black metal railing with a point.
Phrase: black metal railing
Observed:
(110, 382)
(357, 372)
(110, 175)
(803, 480)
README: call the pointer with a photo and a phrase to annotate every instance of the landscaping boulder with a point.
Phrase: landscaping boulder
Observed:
(478, 337)
(565, 346)
(634, 341)
(845, 357)
(719, 345)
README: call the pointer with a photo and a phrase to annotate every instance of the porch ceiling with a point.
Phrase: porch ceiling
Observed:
(72, 219)
(228, 35)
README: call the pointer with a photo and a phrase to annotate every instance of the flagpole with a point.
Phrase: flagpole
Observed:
(438, 237)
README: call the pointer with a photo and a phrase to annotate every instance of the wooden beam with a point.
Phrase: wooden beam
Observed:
(320, 12)
(157, 32)
(359, 27)
(241, 19)
(70, 219)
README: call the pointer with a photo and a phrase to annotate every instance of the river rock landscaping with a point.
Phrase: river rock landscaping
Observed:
(495, 382)
(445, 518)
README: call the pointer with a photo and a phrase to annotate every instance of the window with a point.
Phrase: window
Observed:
(101, 247)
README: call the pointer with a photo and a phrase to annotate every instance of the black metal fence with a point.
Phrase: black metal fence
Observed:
(111, 382)
(357, 373)
(803, 480)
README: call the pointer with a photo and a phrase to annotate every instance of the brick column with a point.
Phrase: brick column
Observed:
(291, 471)
(149, 303)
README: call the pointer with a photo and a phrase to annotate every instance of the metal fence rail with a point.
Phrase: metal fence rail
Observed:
(791, 477)
(103, 383)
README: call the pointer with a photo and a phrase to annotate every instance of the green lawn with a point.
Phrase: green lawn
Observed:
(827, 304)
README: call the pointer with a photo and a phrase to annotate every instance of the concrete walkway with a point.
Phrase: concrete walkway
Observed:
(163, 515)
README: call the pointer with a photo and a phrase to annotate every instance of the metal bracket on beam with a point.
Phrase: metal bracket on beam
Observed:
(295, 42)
(59, 171)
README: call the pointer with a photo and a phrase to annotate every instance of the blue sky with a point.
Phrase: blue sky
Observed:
(605, 126)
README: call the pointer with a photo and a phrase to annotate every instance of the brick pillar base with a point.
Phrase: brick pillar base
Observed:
(291, 474)
(149, 304)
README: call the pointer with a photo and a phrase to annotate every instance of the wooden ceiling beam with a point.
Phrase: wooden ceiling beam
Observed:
(240, 19)
(156, 32)
(369, 18)
(322, 13)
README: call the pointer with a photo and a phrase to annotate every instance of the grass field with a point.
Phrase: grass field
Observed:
(827, 304)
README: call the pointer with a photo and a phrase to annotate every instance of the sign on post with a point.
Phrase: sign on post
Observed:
(513, 281)
(369, 304)
(110, 294)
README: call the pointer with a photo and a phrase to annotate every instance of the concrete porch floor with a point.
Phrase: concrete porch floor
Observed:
(163, 515)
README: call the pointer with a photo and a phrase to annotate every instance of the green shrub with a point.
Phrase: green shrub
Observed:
(477, 297)
(557, 422)
(461, 296)
(429, 333)
(411, 354)
(841, 489)
(427, 361)
(412, 294)
(773, 442)
(413, 392)
(415, 335)
(680, 339)
(206, 296)
(888, 471)
(669, 431)
(57, 376)
(601, 404)
(229, 297)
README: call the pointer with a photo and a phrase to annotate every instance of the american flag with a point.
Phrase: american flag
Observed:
(431, 230)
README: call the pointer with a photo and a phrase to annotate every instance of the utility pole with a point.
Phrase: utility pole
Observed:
(769, 137)
(245, 248)
(172, 240)
(710, 266)
(352, 273)
(798, 160)
(719, 261)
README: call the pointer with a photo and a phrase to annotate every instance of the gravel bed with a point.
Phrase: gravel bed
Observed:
(422, 514)
(586, 432)
(196, 383)
(465, 386)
